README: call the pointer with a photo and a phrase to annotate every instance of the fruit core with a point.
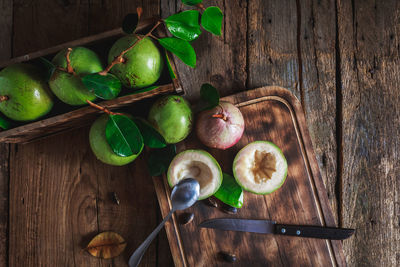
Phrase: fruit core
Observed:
(264, 166)
(196, 169)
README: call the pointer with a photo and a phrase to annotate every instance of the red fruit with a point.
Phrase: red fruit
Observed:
(220, 127)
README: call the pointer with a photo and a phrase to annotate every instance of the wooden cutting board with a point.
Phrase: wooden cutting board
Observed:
(273, 114)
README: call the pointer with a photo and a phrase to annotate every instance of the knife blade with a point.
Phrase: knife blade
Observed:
(271, 227)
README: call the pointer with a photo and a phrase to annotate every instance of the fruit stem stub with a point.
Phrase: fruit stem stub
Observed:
(69, 66)
(220, 115)
(4, 98)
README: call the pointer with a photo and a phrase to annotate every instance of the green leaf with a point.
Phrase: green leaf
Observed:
(104, 86)
(192, 2)
(210, 95)
(169, 66)
(123, 136)
(4, 124)
(47, 67)
(230, 192)
(181, 48)
(130, 23)
(184, 25)
(211, 20)
(151, 137)
(159, 159)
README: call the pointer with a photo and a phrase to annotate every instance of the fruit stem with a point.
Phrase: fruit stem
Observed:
(105, 110)
(4, 98)
(69, 67)
(200, 6)
(119, 59)
(139, 11)
(220, 115)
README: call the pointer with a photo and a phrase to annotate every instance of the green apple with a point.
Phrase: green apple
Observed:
(100, 146)
(68, 87)
(25, 96)
(142, 64)
(172, 116)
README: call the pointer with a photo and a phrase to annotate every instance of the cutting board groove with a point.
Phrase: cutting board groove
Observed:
(271, 113)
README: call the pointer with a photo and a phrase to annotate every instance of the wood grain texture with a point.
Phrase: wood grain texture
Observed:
(221, 60)
(62, 199)
(41, 24)
(317, 38)
(301, 200)
(272, 45)
(369, 38)
(6, 7)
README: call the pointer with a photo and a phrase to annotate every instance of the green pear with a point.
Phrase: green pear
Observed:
(172, 116)
(100, 147)
(142, 64)
(24, 95)
(69, 88)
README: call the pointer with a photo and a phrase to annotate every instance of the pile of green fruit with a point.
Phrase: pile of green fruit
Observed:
(76, 75)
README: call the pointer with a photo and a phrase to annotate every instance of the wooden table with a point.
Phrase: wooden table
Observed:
(340, 58)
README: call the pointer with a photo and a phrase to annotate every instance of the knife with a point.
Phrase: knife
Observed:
(271, 227)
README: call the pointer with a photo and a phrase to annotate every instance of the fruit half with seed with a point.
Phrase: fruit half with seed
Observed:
(260, 167)
(197, 164)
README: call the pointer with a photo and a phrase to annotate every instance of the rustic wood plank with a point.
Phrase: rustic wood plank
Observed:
(301, 200)
(41, 24)
(61, 199)
(221, 61)
(4, 202)
(318, 58)
(369, 37)
(6, 7)
(272, 45)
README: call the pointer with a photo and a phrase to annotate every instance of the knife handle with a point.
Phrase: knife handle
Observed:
(313, 231)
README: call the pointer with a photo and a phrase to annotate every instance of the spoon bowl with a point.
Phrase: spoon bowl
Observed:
(185, 194)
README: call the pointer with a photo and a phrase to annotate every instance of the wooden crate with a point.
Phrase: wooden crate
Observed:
(64, 117)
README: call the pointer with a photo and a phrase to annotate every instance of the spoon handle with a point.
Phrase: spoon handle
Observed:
(136, 257)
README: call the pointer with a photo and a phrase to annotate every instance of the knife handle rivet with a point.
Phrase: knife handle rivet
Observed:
(298, 232)
(283, 230)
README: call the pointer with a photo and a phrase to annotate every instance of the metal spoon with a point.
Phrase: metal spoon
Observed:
(183, 196)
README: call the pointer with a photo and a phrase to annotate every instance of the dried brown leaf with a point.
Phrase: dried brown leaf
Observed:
(106, 245)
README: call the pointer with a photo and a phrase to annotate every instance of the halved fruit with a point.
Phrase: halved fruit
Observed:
(260, 167)
(197, 164)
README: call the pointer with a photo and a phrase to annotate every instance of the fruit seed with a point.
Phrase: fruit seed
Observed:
(228, 257)
(228, 209)
(211, 201)
(115, 197)
(185, 218)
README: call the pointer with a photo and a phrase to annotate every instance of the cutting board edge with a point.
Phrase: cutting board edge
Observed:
(335, 247)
